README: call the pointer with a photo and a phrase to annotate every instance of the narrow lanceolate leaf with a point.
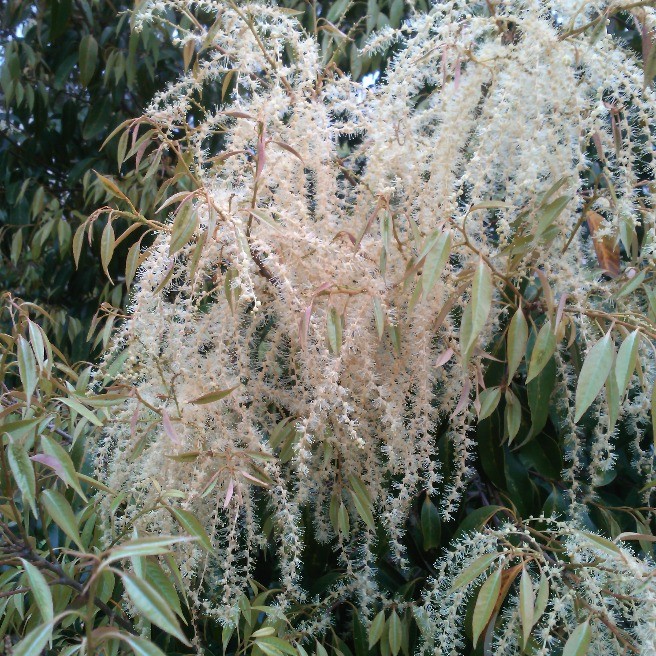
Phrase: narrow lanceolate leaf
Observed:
(151, 605)
(517, 340)
(76, 405)
(579, 640)
(485, 603)
(526, 605)
(376, 628)
(26, 367)
(23, 471)
(192, 526)
(481, 302)
(431, 526)
(434, 263)
(62, 514)
(34, 642)
(65, 469)
(395, 633)
(141, 547)
(88, 58)
(379, 317)
(107, 241)
(40, 590)
(545, 345)
(472, 572)
(489, 399)
(334, 331)
(542, 598)
(141, 646)
(211, 397)
(625, 364)
(362, 501)
(513, 415)
(593, 374)
(184, 226)
(550, 212)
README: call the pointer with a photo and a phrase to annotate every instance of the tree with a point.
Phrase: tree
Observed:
(370, 324)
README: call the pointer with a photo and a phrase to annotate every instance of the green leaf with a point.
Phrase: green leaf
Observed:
(627, 356)
(578, 642)
(431, 526)
(489, 399)
(149, 602)
(526, 605)
(217, 395)
(40, 591)
(277, 643)
(62, 514)
(545, 345)
(517, 340)
(76, 405)
(550, 212)
(435, 260)
(485, 603)
(395, 633)
(472, 572)
(23, 471)
(593, 374)
(149, 546)
(539, 392)
(27, 368)
(334, 331)
(376, 628)
(513, 415)
(107, 241)
(192, 526)
(362, 501)
(481, 303)
(34, 642)
(66, 470)
(184, 226)
(379, 317)
(88, 58)
(542, 598)
(141, 646)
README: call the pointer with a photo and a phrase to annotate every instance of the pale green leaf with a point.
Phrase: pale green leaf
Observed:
(489, 399)
(150, 604)
(473, 571)
(545, 345)
(579, 640)
(62, 514)
(40, 591)
(192, 526)
(395, 632)
(184, 226)
(485, 602)
(334, 321)
(625, 364)
(593, 374)
(23, 471)
(211, 397)
(526, 605)
(517, 340)
(376, 628)
(436, 258)
(481, 302)
(34, 642)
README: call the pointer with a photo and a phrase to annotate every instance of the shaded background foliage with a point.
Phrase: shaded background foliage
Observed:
(71, 71)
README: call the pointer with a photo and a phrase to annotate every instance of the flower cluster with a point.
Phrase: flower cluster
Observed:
(319, 306)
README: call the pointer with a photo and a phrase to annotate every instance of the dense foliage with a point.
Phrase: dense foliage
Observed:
(385, 378)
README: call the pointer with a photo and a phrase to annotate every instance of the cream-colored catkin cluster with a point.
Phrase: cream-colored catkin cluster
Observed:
(301, 287)
(573, 577)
